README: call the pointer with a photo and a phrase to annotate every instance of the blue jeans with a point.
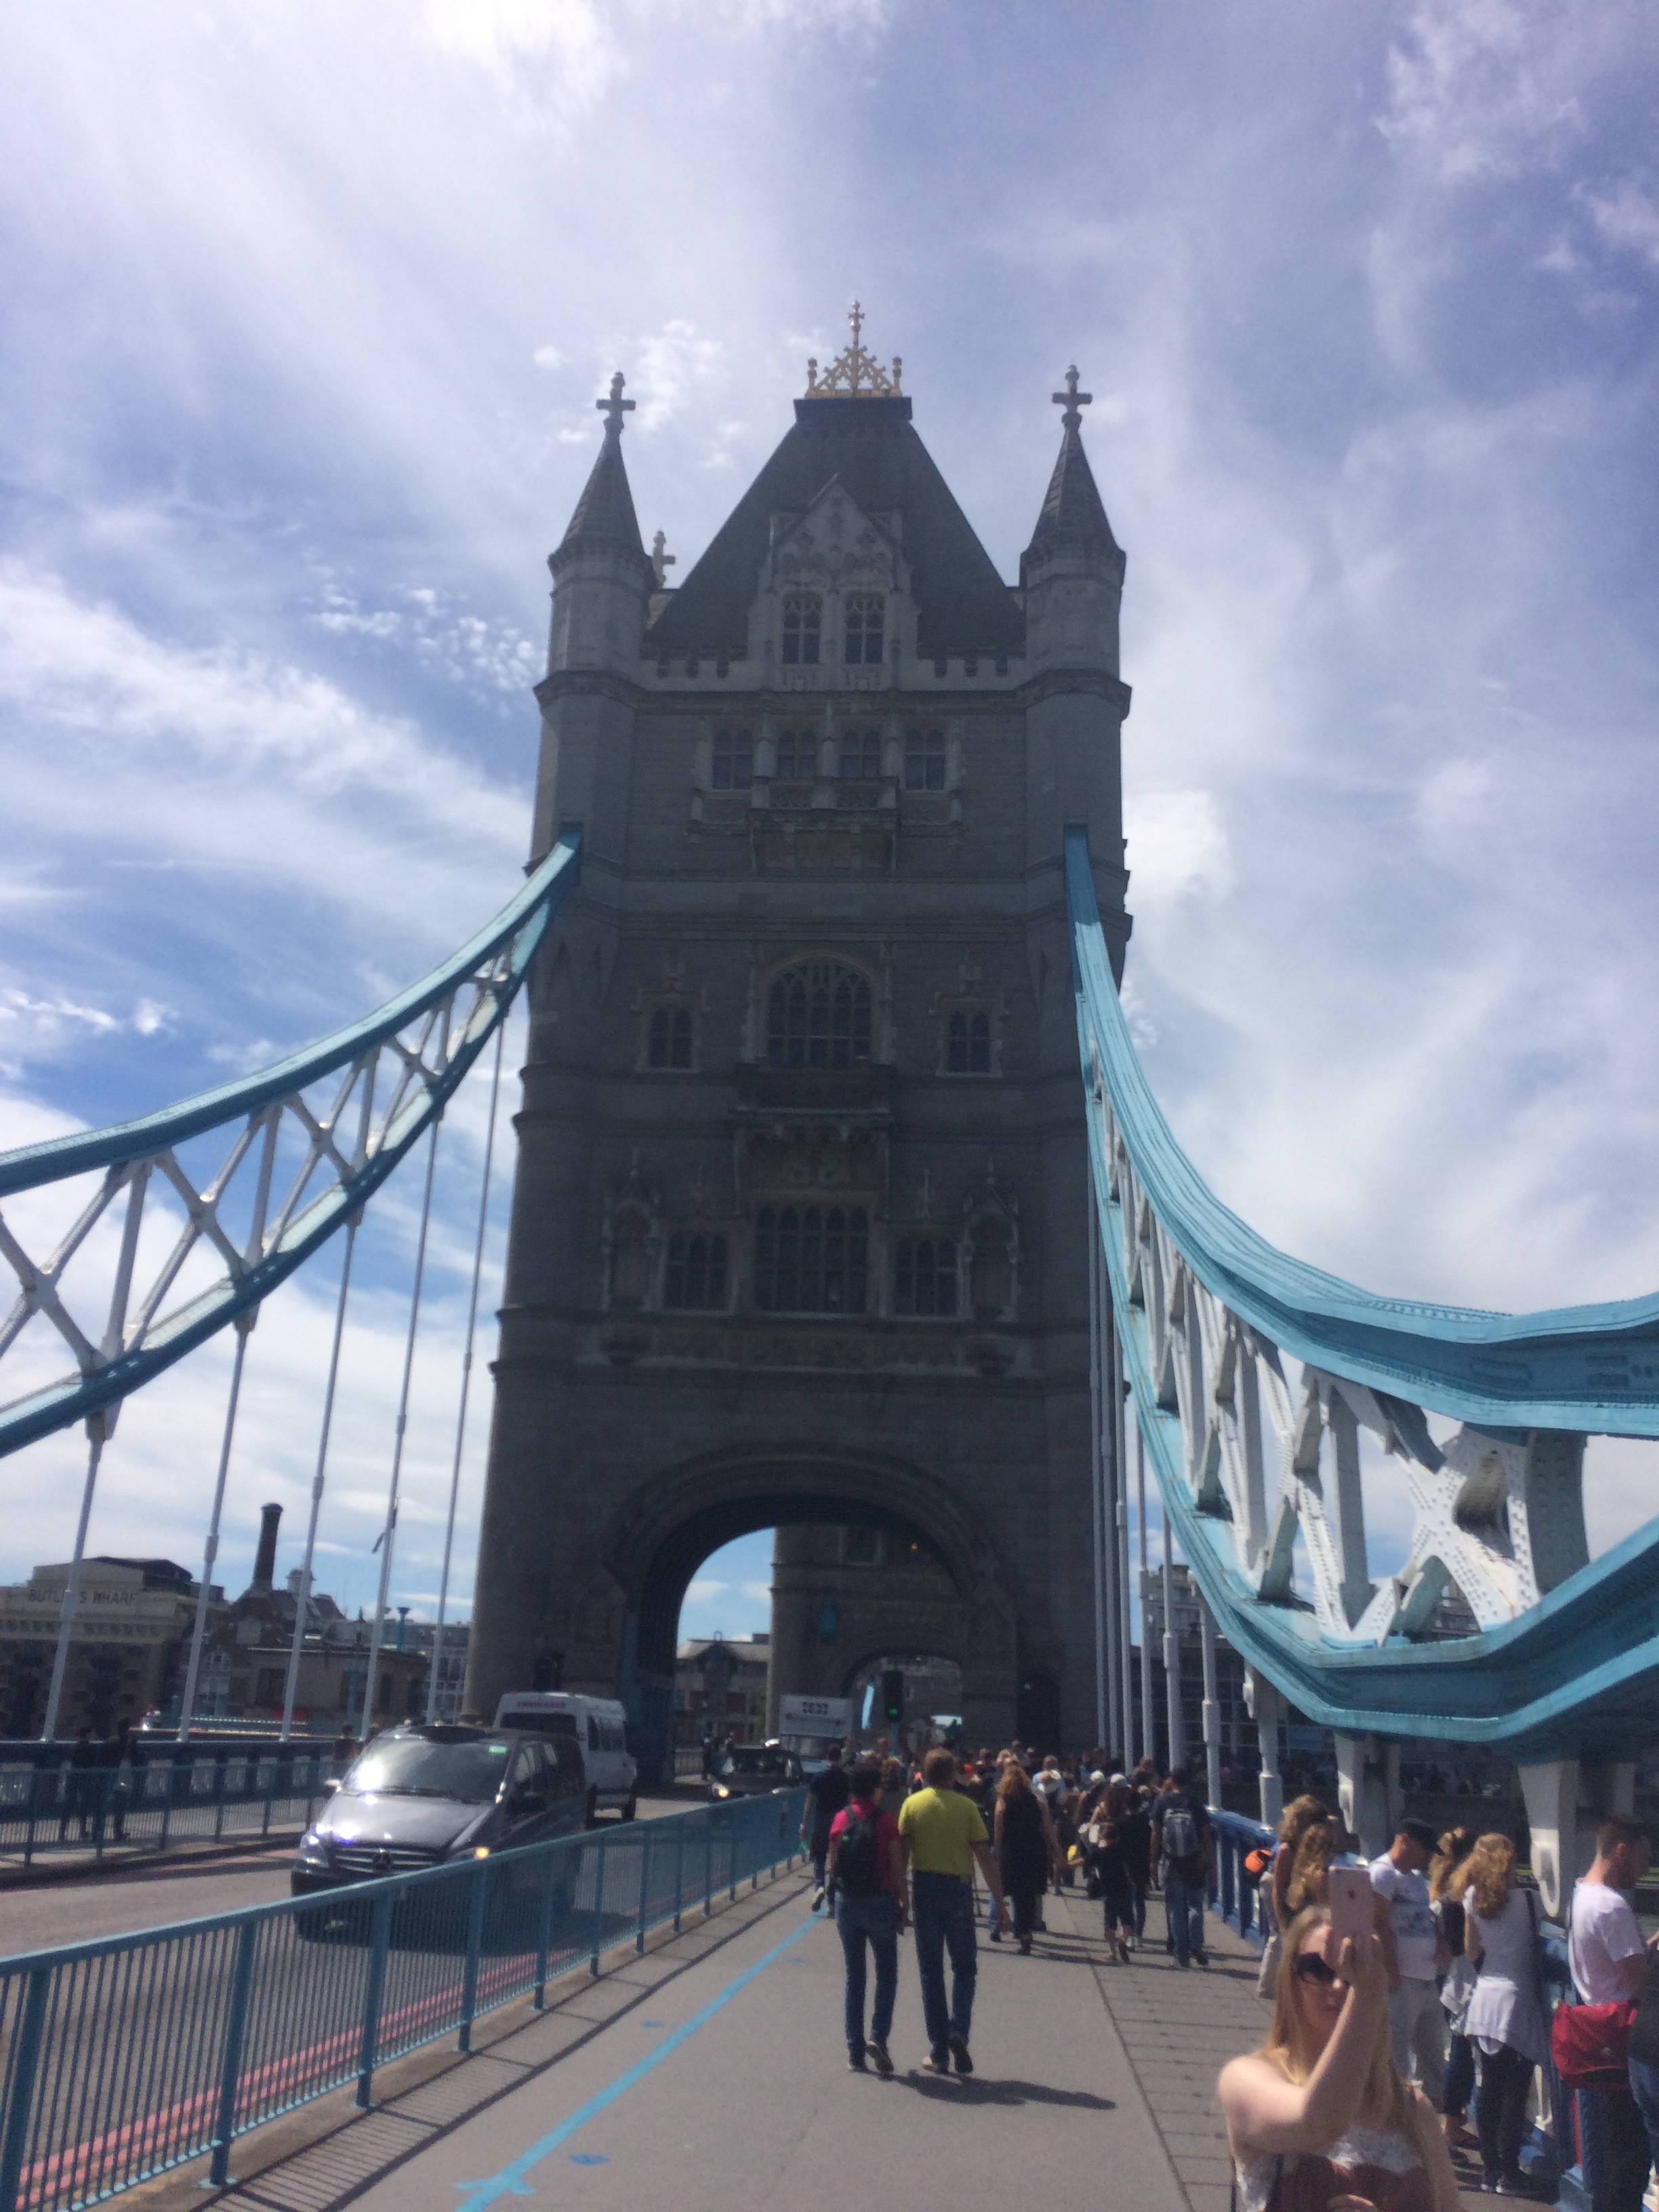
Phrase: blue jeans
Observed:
(1184, 1912)
(1613, 2146)
(1644, 2088)
(943, 1908)
(874, 1921)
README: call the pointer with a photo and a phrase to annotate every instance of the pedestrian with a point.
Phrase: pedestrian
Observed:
(1115, 1821)
(826, 1793)
(893, 1791)
(1027, 1849)
(1447, 1880)
(1299, 1815)
(1319, 2117)
(1416, 2021)
(1609, 1963)
(82, 1788)
(708, 1751)
(865, 1872)
(1505, 2015)
(943, 1838)
(1185, 1850)
(113, 1755)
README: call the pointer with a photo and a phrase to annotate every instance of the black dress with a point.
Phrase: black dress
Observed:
(1023, 1859)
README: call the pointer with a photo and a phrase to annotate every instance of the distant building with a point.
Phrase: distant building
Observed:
(131, 1649)
(722, 1681)
(128, 1652)
(245, 1665)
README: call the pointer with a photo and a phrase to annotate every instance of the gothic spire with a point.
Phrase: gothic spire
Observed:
(605, 518)
(1072, 518)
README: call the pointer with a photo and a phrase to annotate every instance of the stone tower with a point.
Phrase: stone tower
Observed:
(799, 1229)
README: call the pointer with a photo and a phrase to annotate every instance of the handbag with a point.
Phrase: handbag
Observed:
(1590, 2044)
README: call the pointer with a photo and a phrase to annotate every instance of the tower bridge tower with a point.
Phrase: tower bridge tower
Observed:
(800, 1226)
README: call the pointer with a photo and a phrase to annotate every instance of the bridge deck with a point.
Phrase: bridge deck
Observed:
(1090, 2077)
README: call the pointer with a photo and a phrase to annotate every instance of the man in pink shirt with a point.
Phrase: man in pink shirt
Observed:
(865, 1875)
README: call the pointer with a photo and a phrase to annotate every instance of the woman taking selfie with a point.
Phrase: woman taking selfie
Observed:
(1319, 2119)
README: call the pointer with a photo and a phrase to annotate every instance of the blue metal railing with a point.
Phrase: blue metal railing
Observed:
(139, 1808)
(1553, 2149)
(122, 2058)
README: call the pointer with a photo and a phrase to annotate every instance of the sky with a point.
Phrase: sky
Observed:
(306, 309)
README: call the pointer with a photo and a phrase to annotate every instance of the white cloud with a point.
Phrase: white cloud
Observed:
(1177, 847)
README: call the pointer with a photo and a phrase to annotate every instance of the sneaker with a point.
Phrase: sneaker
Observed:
(1024, 1946)
(817, 1898)
(932, 2063)
(1202, 1957)
(856, 2061)
(959, 2052)
(996, 1934)
(877, 2050)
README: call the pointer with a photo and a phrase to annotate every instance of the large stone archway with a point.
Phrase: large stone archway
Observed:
(662, 1533)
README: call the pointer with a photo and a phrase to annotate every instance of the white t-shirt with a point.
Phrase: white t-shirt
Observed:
(1604, 1931)
(1410, 1918)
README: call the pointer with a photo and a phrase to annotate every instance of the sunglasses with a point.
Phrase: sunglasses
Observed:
(1311, 1967)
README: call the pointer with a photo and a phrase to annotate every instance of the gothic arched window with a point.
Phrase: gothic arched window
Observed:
(860, 754)
(798, 757)
(925, 1279)
(695, 1280)
(734, 760)
(811, 1259)
(803, 625)
(866, 614)
(669, 1038)
(924, 759)
(817, 1015)
(967, 1043)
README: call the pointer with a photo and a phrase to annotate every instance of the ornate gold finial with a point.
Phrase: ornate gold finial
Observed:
(854, 373)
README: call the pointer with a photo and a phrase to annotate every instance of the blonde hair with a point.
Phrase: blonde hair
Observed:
(1311, 1865)
(1487, 1872)
(1297, 1818)
(1447, 1878)
(1291, 2049)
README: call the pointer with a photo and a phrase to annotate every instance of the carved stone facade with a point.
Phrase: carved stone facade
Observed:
(799, 1229)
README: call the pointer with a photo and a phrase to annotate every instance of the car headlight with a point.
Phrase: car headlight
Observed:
(720, 1789)
(314, 1847)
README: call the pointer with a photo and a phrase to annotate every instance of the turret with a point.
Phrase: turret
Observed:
(602, 574)
(1072, 572)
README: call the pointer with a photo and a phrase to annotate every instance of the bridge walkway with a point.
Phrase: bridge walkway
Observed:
(710, 2073)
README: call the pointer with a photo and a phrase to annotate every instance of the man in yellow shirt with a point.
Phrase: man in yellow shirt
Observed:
(941, 1836)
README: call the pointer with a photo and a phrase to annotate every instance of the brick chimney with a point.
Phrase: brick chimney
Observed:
(265, 1561)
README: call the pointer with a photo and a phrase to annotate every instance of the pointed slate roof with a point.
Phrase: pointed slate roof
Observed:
(1073, 519)
(605, 519)
(963, 603)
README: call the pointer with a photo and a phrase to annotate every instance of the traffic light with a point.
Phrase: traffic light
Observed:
(892, 1694)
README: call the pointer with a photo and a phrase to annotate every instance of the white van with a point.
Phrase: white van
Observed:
(598, 1725)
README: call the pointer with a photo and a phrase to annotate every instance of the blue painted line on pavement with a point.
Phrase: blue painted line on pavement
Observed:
(511, 2181)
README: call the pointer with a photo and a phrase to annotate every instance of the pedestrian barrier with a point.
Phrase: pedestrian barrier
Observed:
(154, 1808)
(1554, 2145)
(123, 2057)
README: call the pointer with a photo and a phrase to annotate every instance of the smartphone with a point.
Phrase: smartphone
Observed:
(1352, 1902)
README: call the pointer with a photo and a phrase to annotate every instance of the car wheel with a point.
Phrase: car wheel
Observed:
(630, 1808)
(592, 1816)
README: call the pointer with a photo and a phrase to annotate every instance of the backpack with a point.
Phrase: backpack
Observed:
(1181, 1841)
(858, 1855)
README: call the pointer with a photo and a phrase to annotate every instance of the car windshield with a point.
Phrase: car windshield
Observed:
(543, 1723)
(754, 1759)
(419, 1766)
